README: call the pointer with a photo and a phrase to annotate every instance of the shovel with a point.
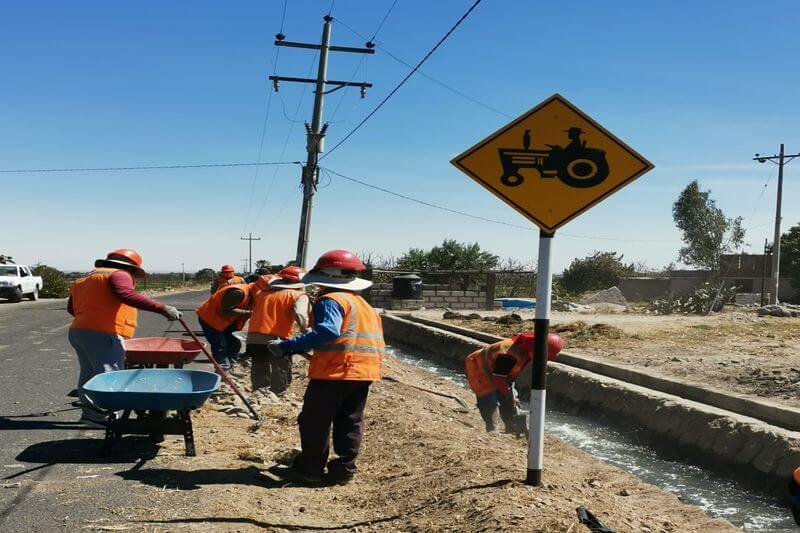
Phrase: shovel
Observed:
(227, 379)
(461, 402)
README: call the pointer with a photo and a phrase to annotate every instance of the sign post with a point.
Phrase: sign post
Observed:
(551, 164)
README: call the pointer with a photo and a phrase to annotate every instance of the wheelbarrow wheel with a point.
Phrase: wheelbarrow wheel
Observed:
(511, 180)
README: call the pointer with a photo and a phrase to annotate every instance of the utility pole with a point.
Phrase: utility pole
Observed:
(767, 251)
(315, 133)
(183, 273)
(250, 240)
(244, 264)
(782, 158)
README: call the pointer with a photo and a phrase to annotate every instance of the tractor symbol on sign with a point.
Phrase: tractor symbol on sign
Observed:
(575, 164)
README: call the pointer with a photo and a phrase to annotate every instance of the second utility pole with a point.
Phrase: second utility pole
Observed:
(782, 159)
(316, 131)
(250, 238)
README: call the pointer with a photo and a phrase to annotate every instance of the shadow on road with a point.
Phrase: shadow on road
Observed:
(12, 423)
(87, 451)
(194, 479)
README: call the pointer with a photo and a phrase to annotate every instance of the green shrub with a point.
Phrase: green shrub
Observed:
(705, 299)
(55, 283)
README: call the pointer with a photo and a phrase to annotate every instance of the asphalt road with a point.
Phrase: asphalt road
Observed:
(51, 475)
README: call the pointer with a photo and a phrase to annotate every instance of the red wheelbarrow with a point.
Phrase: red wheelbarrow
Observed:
(148, 352)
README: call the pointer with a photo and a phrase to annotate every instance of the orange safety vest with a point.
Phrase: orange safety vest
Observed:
(97, 308)
(273, 312)
(210, 311)
(479, 365)
(357, 354)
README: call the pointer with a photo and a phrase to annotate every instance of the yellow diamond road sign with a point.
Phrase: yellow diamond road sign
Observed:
(552, 163)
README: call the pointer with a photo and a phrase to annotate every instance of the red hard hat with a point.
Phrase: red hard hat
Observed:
(292, 273)
(123, 257)
(227, 268)
(341, 259)
(524, 341)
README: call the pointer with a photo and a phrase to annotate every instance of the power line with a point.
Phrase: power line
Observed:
(404, 80)
(438, 82)
(386, 16)
(484, 219)
(154, 167)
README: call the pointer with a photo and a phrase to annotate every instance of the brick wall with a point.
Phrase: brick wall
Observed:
(433, 296)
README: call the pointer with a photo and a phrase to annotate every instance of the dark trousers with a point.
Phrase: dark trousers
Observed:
(340, 403)
(488, 406)
(224, 346)
(266, 370)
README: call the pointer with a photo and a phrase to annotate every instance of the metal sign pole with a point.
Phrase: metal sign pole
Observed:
(541, 329)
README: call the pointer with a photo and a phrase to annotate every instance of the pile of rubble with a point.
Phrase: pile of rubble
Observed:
(781, 310)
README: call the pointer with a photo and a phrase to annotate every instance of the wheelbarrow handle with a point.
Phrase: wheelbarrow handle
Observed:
(224, 374)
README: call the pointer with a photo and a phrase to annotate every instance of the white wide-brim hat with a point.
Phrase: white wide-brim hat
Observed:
(349, 284)
(280, 283)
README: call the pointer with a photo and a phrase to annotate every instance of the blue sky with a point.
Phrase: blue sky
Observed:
(697, 87)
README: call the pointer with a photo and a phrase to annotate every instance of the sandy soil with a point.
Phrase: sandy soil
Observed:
(426, 465)
(737, 351)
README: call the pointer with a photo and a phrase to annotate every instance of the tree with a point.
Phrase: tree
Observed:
(205, 274)
(790, 255)
(707, 233)
(6, 259)
(55, 283)
(596, 271)
(448, 256)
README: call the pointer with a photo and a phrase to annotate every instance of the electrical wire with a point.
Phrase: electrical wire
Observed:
(386, 16)
(144, 167)
(428, 76)
(477, 217)
(404, 80)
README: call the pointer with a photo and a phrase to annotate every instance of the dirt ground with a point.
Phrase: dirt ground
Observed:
(733, 350)
(426, 465)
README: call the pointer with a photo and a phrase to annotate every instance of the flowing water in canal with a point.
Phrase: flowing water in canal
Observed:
(717, 496)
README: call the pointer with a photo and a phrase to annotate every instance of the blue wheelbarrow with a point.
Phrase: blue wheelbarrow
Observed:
(151, 393)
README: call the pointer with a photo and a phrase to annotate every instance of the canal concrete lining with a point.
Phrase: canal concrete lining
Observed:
(761, 454)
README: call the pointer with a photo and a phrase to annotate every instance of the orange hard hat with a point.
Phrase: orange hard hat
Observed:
(524, 341)
(227, 268)
(124, 258)
(342, 259)
(796, 475)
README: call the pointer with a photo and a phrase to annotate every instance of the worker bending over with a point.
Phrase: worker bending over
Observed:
(492, 370)
(225, 312)
(104, 305)
(226, 276)
(347, 339)
(279, 304)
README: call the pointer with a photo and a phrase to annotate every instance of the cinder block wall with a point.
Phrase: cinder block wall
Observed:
(433, 296)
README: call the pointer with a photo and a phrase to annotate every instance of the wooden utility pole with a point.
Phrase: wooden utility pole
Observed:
(315, 133)
(250, 240)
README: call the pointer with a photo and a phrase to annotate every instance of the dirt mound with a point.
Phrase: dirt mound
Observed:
(612, 295)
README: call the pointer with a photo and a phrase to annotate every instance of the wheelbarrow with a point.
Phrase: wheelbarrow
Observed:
(147, 352)
(151, 393)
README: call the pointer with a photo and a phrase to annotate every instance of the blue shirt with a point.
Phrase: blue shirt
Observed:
(328, 318)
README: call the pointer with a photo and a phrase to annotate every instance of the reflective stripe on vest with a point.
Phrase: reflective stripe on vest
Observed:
(97, 308)
(480, 364)
(358, 352)
(210, 311)
(273, 312)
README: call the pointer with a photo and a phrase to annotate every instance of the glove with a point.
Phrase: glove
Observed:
(275, 348)
(172, 313)
(501, 382)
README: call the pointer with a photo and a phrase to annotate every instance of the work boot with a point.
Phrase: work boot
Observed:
(288, 473)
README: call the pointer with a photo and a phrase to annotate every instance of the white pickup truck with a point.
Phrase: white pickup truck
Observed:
(18, 281)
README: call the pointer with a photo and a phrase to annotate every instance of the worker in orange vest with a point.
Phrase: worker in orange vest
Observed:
(491, 372)
(347, 339)
(226, 276)
(279, 305)
(104, 305)
(223, 313)
(794, 495)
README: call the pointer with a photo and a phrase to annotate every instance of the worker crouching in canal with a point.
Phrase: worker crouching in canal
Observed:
(491, 372)
(104, 304)
(347, 339)
(279, 305)
(225, 312)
